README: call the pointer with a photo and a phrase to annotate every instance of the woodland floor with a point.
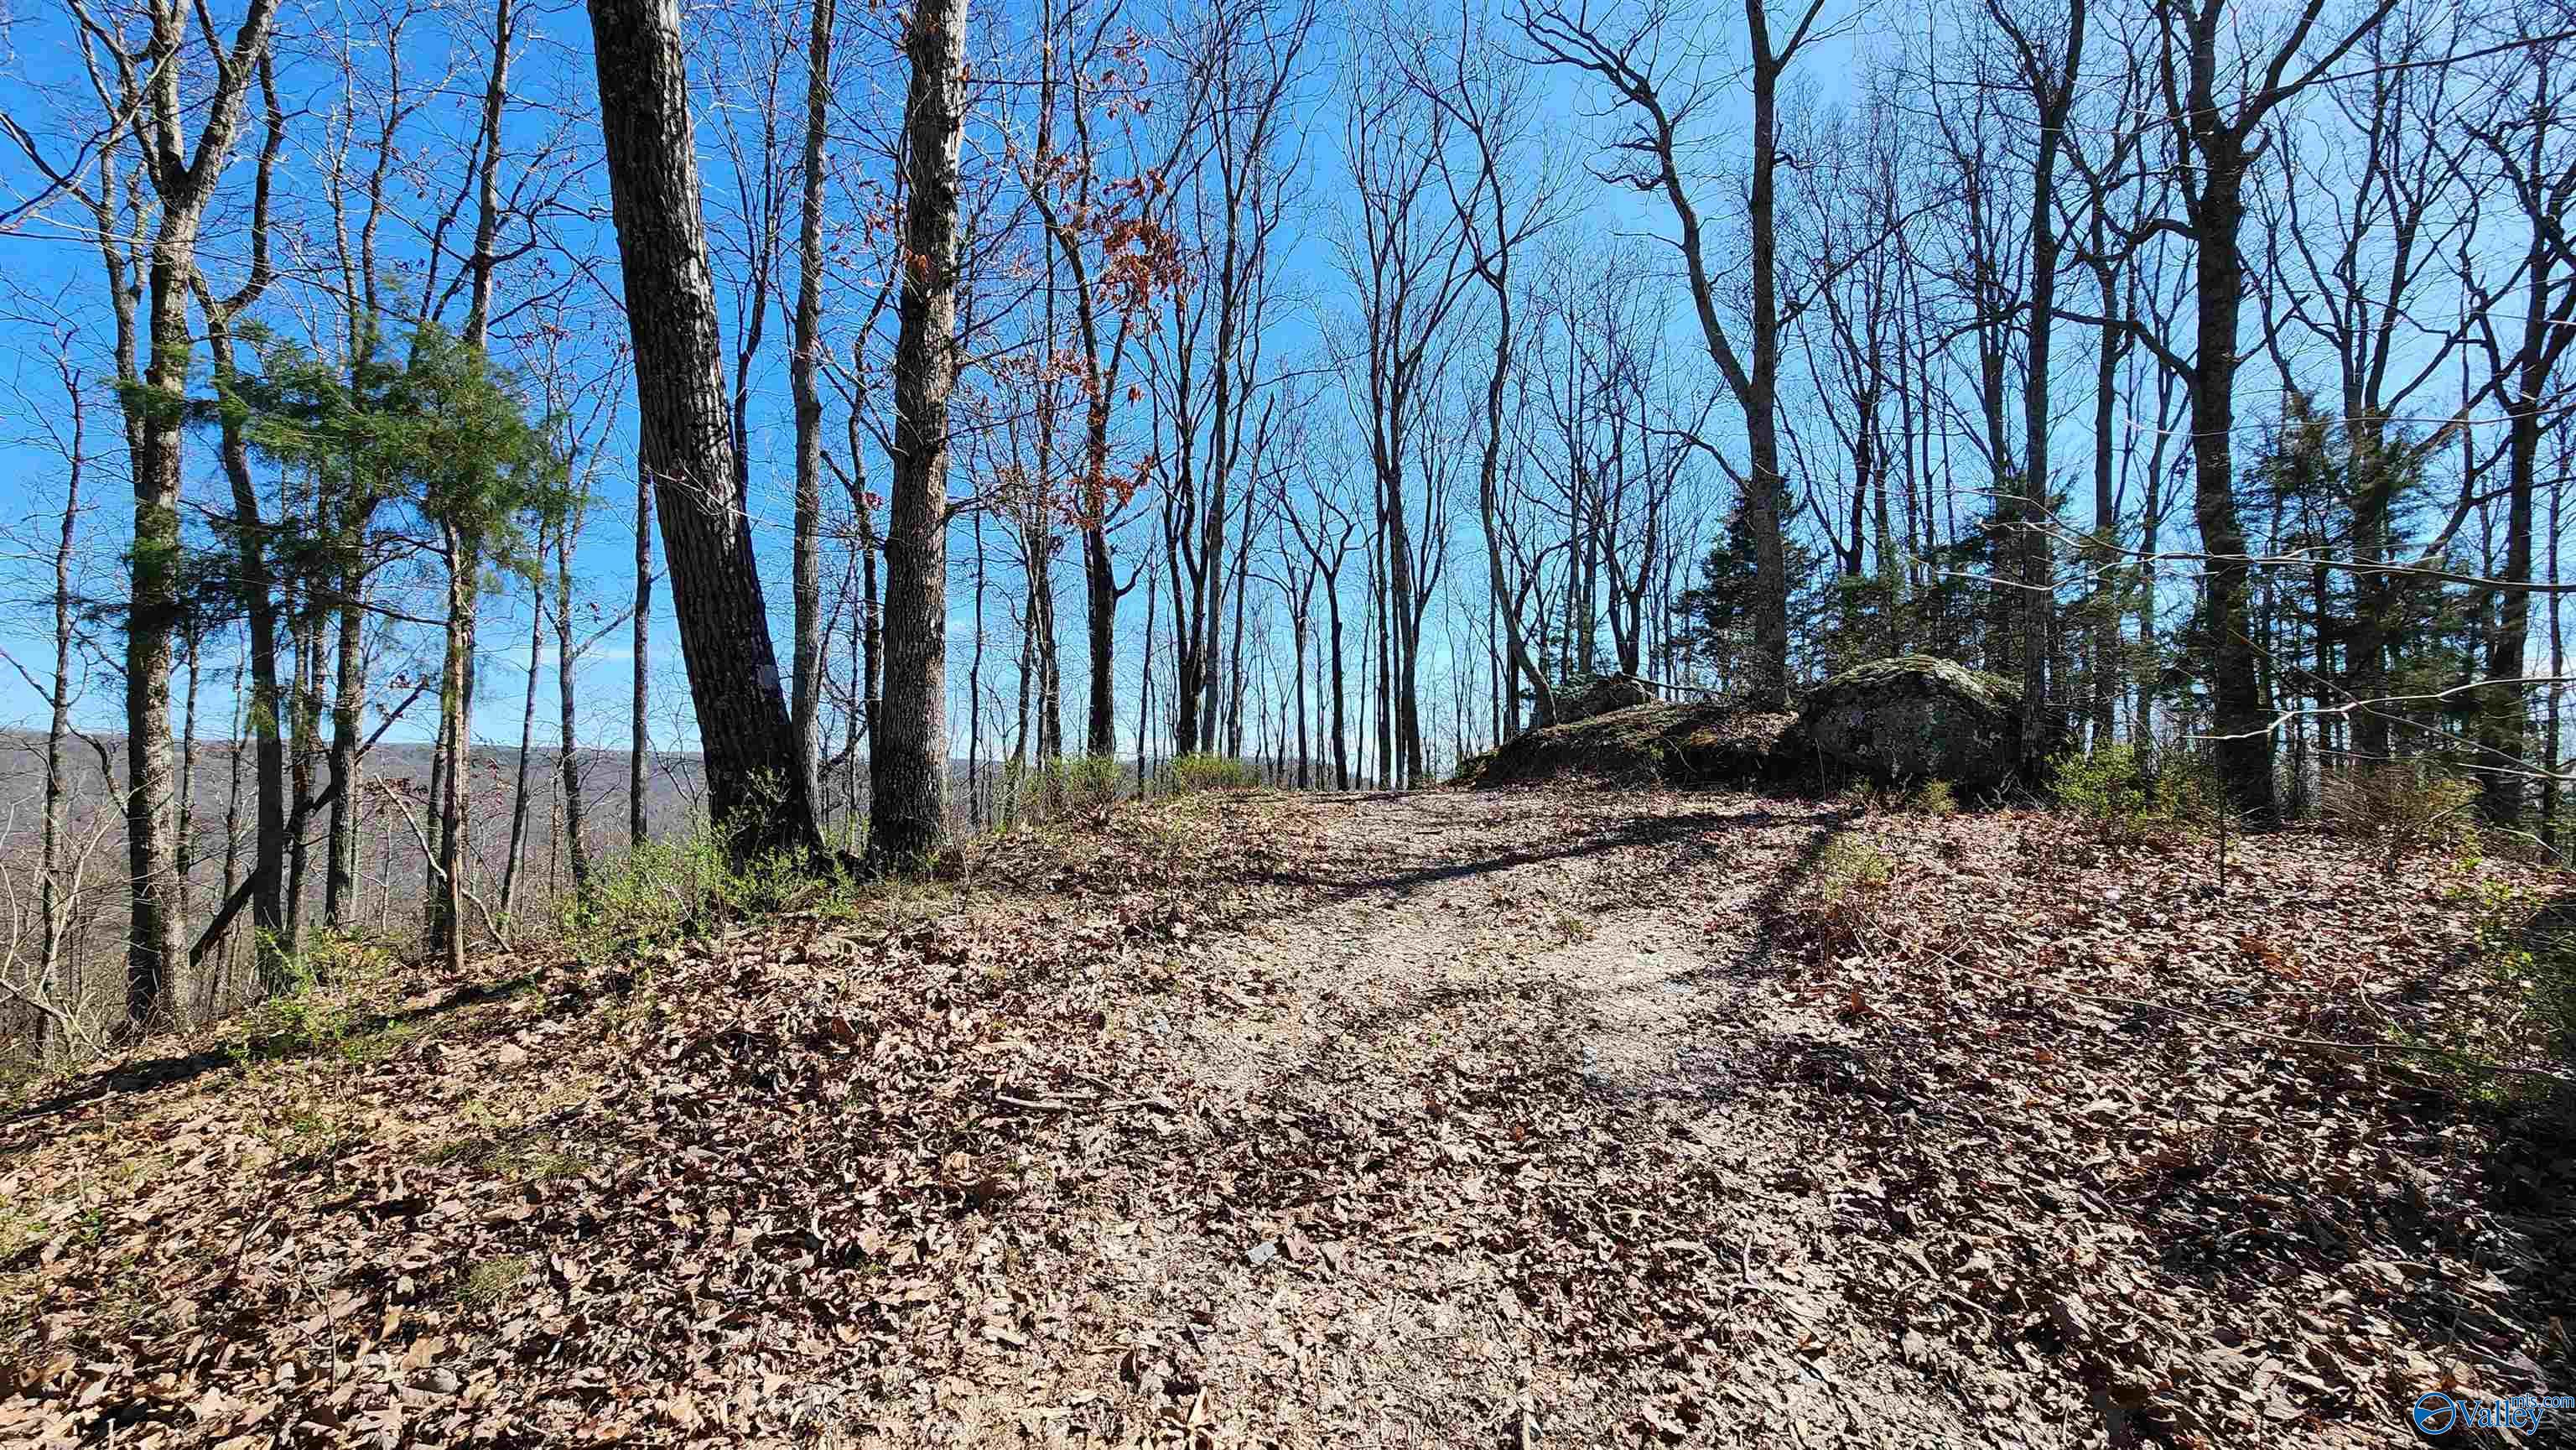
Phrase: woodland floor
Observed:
(1504, 1118)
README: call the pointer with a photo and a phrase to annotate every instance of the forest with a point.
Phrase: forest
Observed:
(1125, 722)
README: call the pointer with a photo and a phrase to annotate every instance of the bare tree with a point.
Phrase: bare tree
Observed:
(183, 176)
(908, 763)
(2214, 139)
(2046, 71)
(2357, 230)
(1504, 191)
(2521, 140)
(757, 795)
(640, 653)
(1118, 255)
(1408, 262)
(804, 362)
(1627, 55)
(1210, 386)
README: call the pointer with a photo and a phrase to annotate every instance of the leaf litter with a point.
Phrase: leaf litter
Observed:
(1513, 1118)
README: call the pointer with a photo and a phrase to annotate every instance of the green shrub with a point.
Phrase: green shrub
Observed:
(667, 891)
(1839, 904)
(1191, 774)
(2125, 797)
(1850, 867)
(1932, 798)
(1076, 785)
(2397, 808)
(2528, 946)
(327, 993)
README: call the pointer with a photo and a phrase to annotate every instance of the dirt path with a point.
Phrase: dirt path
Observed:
(1504, 1174)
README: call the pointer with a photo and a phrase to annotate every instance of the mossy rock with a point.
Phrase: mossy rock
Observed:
(1608, 693)
(1916, 718)
(1685, 744)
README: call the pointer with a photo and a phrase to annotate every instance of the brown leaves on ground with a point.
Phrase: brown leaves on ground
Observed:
(739, 1188)
(1518, 1119)
(2124, 1096)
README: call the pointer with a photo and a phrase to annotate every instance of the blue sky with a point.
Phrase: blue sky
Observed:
(56, 301)
(56, 271)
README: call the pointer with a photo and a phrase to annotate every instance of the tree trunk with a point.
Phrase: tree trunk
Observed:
(640, 648)
(348, 699)
(1145, 687)
(2106, 524)
(153, 946)
(908, 766)
(568, 746)
(757, 795)
(1761, 397)
(304, 754)
(1100, 623)
(1341, 729)
(52, 905)
(2054, 99)
(186, 843)
(2243, 728)
(527, 742)
(805, 701)
(447, 915)
(2505, 715)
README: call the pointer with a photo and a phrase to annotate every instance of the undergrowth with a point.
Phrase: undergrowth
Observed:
(1192, 774)
(1851, 872)
(1086, 786)
(2397, 809)
(669, 891)
(2126, 798)
(327, 1008)
(2526, 944)
(1849, 866)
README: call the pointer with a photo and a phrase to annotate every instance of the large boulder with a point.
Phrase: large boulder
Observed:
(1608, 693)
(1697, 743)
(1917, 717)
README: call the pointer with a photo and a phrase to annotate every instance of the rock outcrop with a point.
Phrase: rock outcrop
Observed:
(1608, 693)
(1684, 744)
(1917, 717)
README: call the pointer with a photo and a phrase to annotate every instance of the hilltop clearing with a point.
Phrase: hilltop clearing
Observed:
(1456, 1118)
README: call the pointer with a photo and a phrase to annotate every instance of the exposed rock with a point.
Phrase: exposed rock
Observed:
(1608, 693)
(1917, 717)
(1689, 744)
